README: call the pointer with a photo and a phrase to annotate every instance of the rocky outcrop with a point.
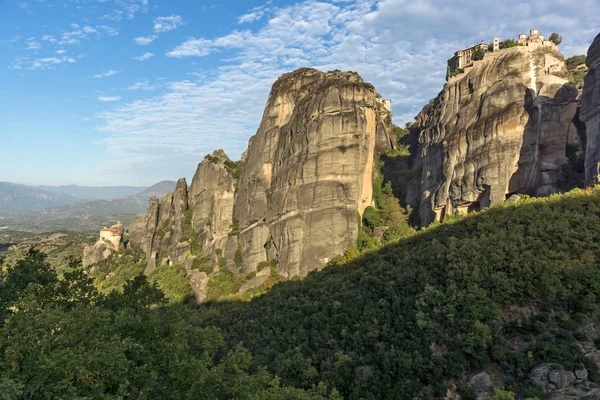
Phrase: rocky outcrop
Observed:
(308, 170)
(590, 114)
(482, 386)
(211, 198)
(559, 383)
(499, 128)
(143, 231)
(101, 250)
(111, 239)
(293, 201)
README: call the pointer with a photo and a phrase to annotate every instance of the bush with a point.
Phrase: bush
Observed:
(173, 282)
(555, 38)
(478, 54)
(372, 218)
(507, 44)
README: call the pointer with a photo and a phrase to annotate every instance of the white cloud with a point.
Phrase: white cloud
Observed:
(401, 46)
(33, 44)
(107, 30)
(250, 17)
(74, 36)
(108, 73)
(166, 24)
(192, 48)
(144, 57)
(142, 85)
(49, 38)
(109, 98)
(145, 40)
(125, 9)
(256, 14)
(41, 63)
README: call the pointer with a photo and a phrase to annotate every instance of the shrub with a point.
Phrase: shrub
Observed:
(555, 38)
(372, 218)
(238, 258)
(478, 55)
(173, 282)
(507, 44)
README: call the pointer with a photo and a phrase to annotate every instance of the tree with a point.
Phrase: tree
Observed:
(478, 54)
(555, 38)
(507, 44)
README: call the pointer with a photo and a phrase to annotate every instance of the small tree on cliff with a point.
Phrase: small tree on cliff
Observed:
(555, 38)
(478, 55)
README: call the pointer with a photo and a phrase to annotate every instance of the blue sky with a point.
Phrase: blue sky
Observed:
(107, 92)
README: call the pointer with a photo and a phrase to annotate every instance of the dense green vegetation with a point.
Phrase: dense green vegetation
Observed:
(577, 70)
(115, 271)
(61, 338)
(478, 54)
(399, 322)
(507, 44)
(173, 282)
(395, 322)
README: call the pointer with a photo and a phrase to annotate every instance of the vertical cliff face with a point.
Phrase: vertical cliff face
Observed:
(143, 230)
(294, 202)
(250, 208)
(308, 170)
(590, 114)
(211, 197)
(500, 127)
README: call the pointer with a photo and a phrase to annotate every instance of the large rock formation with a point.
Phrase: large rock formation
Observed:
(294, 199)
(501, 127)
(211, 197)
(590, 113)
(109, 242)
(308, 170)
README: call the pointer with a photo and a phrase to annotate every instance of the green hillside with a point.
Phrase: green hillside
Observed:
(402, 321)
(503, 290)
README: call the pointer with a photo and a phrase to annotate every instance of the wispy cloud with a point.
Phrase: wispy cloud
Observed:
(398, 45)
(145, 40)
(78, 33)
(192, 48)
(32, 44)
(41, 63)
(49, 38)
(125, 9)
(166, 24)
(106, 74)
(256, 14)
(142, 85)
(109, 98)
(144, 57)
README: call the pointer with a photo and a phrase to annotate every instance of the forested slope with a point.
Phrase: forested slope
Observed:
(503, 290)
(403, 321)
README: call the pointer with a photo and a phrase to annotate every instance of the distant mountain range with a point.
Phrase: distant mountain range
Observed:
(93, 192)
(159, 189)
(16, 197)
